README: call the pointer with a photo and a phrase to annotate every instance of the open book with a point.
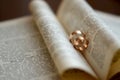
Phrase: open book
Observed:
(37, 47)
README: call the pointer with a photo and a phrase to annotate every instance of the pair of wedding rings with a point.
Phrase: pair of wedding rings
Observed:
(79, 41)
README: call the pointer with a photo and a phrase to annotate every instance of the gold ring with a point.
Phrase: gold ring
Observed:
(79, 41)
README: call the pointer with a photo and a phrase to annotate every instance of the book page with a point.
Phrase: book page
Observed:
(103, 44)
(70, 64)
(114, 23)
(23, 54)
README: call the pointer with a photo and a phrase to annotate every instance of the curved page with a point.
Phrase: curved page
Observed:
(103, 45)
(23, 53)
(70, 64)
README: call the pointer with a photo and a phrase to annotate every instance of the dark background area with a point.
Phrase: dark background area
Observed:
(16, 8)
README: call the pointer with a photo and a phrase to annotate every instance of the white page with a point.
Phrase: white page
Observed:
(70, 64)
(103, 44)
(23, 54)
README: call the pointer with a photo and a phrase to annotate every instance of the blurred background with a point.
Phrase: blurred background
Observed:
(10, 9)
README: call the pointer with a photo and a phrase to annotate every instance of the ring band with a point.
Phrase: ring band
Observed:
(79, 41)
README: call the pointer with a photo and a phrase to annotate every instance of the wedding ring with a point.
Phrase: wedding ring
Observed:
(79, 41)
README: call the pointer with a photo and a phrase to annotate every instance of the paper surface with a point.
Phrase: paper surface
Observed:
(23, 54)
(68, 61)
(114, 24)
(112, 21)
(102, 42)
